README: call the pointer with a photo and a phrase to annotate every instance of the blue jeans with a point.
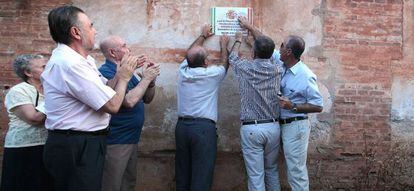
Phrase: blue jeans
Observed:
(196, 147)
(295, 137)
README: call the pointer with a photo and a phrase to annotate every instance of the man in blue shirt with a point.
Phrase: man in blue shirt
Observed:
(300, 97)
(125, 126)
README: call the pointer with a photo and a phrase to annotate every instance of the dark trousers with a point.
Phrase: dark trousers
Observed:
(196, 147)
(23, 170)
(75, 161)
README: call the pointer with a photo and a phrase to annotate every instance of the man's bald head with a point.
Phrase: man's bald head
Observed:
(112, 48)
(196, 57)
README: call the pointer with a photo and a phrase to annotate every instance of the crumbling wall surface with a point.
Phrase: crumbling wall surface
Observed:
(361, 51)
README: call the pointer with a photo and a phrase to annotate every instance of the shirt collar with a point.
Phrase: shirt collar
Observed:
(110, 64)
(294, 69)
(69, 50)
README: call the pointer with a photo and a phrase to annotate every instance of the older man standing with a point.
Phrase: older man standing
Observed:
(77, 102)
(259, 82)
(300, 97)
(195, 133)
(120, 168)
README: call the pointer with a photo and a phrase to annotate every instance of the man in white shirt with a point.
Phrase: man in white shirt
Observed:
(195, 133)
(77, 102)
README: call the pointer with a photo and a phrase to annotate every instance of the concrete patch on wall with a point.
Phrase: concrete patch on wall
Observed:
(402, 113)
(321, 130)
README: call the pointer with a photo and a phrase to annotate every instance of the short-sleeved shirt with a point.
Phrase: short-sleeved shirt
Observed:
(259, 82)
(198, 88)
(299, 85)
(126, 125)
(74, 92)
(20, 133)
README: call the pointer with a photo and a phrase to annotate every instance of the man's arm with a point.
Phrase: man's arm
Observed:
(224, 42)
(205, 33)
(237, 43)
(150, 93)
(244, 23)
(285, 103)
(313, 99)
(142, 90)
(122, 77)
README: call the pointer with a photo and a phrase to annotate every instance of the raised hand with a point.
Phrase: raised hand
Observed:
(244, 23)
(206, 31)
(151, 71)
(141, 60)
(224, 41)
(127, 67)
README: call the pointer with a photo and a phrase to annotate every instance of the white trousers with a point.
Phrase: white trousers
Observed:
(295, 137)
(260, 144)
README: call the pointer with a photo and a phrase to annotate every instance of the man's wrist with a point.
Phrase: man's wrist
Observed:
(146, 81)
(294, 108)
(203, 36)
(151, 84)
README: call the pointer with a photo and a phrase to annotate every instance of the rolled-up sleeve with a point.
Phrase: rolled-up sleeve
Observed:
(84, 85)
(313, 96)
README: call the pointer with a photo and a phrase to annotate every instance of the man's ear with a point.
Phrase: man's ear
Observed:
(111, 53)
(288, 51)
(75, 33)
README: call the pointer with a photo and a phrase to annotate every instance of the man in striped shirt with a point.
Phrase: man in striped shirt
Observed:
(259, 82)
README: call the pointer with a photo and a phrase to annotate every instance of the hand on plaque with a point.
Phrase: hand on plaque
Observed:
(244, 23)
(206, 31)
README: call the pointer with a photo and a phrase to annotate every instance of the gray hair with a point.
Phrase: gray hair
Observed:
(22, 64)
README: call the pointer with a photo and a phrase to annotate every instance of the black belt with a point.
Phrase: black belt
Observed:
(74, 132)
(292, 119)
(195, 119)
(250, 122)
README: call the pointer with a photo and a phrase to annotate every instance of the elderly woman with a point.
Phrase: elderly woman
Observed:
(23, 167)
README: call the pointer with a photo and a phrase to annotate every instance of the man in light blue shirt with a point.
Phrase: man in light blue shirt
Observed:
(195, 132)
(300, 96)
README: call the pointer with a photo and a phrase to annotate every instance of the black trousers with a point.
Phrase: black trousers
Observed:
(75, 161)
(23, 170)
(196, 147)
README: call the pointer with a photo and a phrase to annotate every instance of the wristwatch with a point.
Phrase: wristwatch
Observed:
(295, 108)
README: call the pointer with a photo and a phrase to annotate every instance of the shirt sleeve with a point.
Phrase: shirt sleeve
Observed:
(237, 64)
(86, 85)
(17, 97)
(312, 93)
(234, 59)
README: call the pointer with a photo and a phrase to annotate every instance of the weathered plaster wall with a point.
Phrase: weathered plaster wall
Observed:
(361, 51)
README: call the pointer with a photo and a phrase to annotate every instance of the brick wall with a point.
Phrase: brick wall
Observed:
(362, 50)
